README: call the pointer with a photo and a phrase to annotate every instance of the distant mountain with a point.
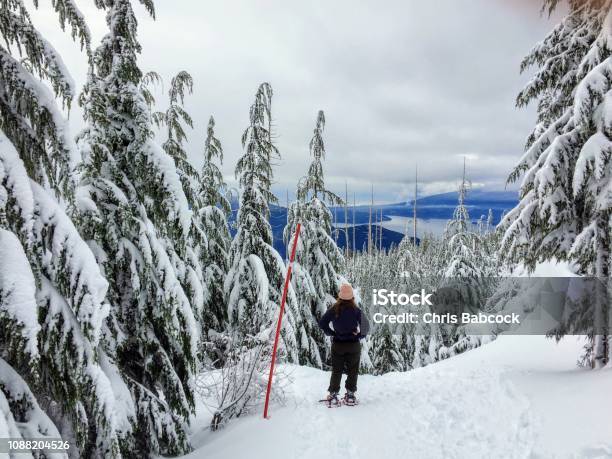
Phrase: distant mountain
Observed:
(436, 207)
(440, 206)
(389, 237)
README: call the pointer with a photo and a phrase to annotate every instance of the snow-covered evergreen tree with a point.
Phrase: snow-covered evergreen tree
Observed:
(490, 243)
(55, 376)
(188, 254)
(386, 350)
(465, 275)
(254, 283)
(213, 211)
(316, 277)
(174, 118)
(463, 247)
(565, 202)
(134, 213)
(148, 83)
(416, 269)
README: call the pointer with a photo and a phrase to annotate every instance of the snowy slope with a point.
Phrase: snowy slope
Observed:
(519, 396)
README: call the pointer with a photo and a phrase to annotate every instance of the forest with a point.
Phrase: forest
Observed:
(130, 285)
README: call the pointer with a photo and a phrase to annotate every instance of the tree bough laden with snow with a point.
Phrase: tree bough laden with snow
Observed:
(173, 119)
(565, 206)
(133, 211)
(255, 280)
(29, 116)
(52, 295)
(188, 253)
(214, 209)
(21, 417)
(316, 277)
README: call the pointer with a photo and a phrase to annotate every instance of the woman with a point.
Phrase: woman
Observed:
(349, 326)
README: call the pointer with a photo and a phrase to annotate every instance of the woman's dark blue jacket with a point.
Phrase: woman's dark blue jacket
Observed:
(350, 326)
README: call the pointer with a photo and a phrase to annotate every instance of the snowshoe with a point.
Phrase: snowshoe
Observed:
(349, 399)
(332, 400)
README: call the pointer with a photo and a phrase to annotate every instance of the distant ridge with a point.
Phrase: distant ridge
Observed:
(389, 237)
(435, 207)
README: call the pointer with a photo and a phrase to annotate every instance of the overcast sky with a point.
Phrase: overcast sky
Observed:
(401, 83)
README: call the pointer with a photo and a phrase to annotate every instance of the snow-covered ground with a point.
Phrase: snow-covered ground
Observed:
(517, 397)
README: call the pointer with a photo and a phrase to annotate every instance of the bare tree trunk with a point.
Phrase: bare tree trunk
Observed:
(601, 342)
(354, 203)
(346, 238)
(381, 229)
(335, 224)
(414, 209)
(406, 227)
(370, 223)
(374, 230)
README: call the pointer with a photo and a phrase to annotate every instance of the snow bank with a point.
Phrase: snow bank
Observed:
(517, 397)
(546, 269)
(17, 290)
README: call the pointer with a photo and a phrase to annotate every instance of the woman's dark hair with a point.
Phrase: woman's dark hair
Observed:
(340, 305)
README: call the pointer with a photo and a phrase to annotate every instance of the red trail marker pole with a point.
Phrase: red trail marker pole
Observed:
(280, 318)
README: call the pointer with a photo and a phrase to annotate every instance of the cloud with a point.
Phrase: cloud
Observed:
(401, 82)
